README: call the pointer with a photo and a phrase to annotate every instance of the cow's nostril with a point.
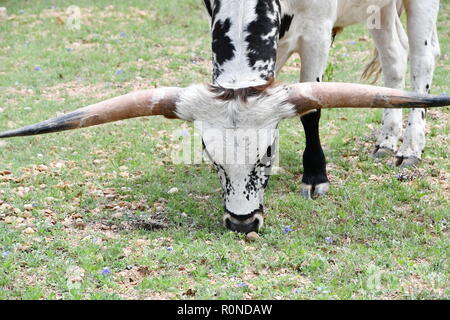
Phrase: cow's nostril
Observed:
(249, 225)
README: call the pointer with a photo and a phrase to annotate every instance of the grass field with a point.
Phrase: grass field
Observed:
(86, 214)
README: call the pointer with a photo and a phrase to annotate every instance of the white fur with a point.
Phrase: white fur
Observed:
(236, 136)
(197, 102)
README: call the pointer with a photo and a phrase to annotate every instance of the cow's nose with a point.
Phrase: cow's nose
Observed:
(246, 225)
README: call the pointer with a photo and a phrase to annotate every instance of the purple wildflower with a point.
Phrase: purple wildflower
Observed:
(322, 289)
(242, 285)
(5, 254)
(328, 240)
(37, 68)
(169, 249)
(119, 72)
(184, 133)
(123, 34)
(288, 229)
(106, 271)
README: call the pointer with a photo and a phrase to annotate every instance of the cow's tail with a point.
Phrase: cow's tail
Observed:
(373, 69)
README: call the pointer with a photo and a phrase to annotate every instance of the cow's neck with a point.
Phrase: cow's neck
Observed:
(244, 41)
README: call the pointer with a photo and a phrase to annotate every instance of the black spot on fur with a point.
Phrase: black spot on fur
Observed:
(269, 151)
(426, 42)
(261, 48)
(285, 24)
(222, 45)
(216, 5)
(208, 7)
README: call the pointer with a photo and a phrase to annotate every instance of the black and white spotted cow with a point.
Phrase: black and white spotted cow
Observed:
(238, 113)
(306, 28)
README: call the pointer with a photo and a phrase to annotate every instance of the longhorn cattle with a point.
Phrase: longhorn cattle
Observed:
(242, 107)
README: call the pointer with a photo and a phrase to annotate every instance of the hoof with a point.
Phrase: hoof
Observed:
(407, 162)
(314, 191)
(381, 152)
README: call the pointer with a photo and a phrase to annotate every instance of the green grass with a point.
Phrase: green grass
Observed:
(387, 238)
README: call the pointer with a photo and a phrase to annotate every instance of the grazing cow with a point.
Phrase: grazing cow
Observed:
(242, 107)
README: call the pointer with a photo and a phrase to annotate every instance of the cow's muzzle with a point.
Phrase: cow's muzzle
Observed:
(244, 224)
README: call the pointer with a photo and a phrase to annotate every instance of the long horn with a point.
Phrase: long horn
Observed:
(308, 96)
(161, 101)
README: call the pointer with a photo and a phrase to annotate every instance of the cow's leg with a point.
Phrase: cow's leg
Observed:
(391, 43)
(314, 50)
(314, 181)
(424, 49)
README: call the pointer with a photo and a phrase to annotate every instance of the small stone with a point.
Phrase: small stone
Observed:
(19, 220)
(28, 207)
(21, 226)
(251, 236)
(3, 13)
(28, 230)
(79, 224)
(117, 215)
(141, 242)
(172, 191)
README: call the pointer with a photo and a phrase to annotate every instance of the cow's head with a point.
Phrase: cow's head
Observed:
(238, 132)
